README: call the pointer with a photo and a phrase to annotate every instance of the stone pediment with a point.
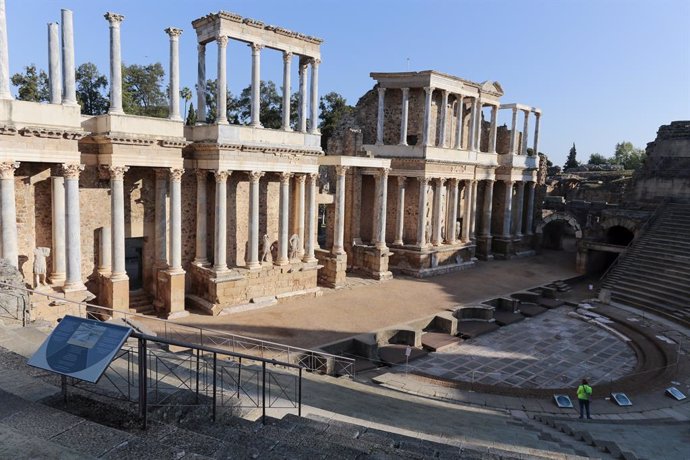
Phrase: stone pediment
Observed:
(491, 86)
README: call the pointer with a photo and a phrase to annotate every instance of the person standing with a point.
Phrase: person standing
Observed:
(584, 392)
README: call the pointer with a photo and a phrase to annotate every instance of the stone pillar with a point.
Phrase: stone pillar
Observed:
(525, 133)
(451, 233)
(380, 116)
(421, 222)
(514, 133)
(174, 35)
(486, 208)
(115, 68)
(519, 208)
(473, 209)
(222, 84)
(287, 88)
(311, 219)
(380, 203)
(117, 213)
(256, 85)
(253, 254)
(105, 260)
(535, 148)
(73, 282)
(507, 208)
(458, 129)
(492, 133)
(302, 111)
(403, 118)
(529, 220)
(284, 219)
(400, 215)
(471, 142)
(201, 218)
(4, 58)
(220, 263)
(426, 140)
(339, 227)
(161, 219)
(356, 211)
(176, 220)
(69, 93)
(477, 125)
(54, 76)
(444, 108)
(300, 179)
(58, 276)
(467, 212)
(314, 128)
(436, 239)
(201, 84)
(10, 245)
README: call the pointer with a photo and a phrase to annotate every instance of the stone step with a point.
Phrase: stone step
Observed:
(655, 266)
(674, 277)
(661, 284)
(660, 300)
(657, 289)
(634, 301)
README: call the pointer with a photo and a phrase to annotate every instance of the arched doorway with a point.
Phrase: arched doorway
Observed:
(619, 235)
(560, 236)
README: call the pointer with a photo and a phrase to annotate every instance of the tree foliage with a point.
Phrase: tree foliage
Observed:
(142, 90)
(333, 108)
(597, 159)
(190, 119)
(572, 162)
(627, 155)
(32, 85)
(91, 89)
(186, 95)
(270, 106)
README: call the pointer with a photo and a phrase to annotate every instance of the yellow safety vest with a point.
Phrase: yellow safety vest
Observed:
(584, 392)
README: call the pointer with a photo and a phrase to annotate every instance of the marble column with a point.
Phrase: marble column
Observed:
(514, 133)
(73, 280)
(8, 217)
(458, 129)
(486, 208)
(220, 231)
(300, 180)
(314, 127)
(58, 275)
(4, 56)
(222, 83)
(507, 208)
(174, 35)
(69, 93)
(519, 208)
(311, 219)
(525, 133)
(400, 214)
(339, 226)
(302, 110)
(477, 125)
(404, 116)
(380, 203)
(442, 129)
(427, 116)
(356, 211)
(535, 148)
(287, 88)
(161, 219)
(117, 213)
(529, 220)
(115, 67)
(256, 85)
(436, 239)
(471, 141)
(105, 260)
(421, 221)
(176, 220)
(284, 219)
(54, 75)
(253, 261)
(201, 84)
(380, 116)
(201, 257)
(467, 212)
(493, 129)
(452, 232)
(473, 209)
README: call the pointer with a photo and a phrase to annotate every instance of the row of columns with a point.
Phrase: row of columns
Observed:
(514, 227)
(525, 131)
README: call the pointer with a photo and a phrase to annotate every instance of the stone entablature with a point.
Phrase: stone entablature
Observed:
(491, 91)
(262, 139)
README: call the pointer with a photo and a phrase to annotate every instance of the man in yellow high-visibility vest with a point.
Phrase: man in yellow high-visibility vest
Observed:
(584, 392)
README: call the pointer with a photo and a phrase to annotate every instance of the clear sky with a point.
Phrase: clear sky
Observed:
(602, 71)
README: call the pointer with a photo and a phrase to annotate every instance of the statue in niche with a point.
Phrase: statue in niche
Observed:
(294, 246)
(40, 266)
(458, 229)
(266, 255)
(427, 234)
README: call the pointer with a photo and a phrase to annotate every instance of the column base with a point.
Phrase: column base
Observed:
(503, 248)
(117, 296)
(58, 279)
(73, 287)
(171, 293)
(254, 266)
(484, 251)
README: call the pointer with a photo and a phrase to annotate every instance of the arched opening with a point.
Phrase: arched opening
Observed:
(619, 235)
(559, 235)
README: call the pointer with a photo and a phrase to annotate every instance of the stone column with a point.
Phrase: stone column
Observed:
(161, 219)
(514, 133)
(253, 255)
(494, 127)
(421, 222)
(201, 218)
(380, 203)
(300, 179)
(507, 208)
(486, 208)
(529, 224)
(400, 215)
(287, 88)
(535, 148)
(220, 231)
(403, 118)
(69, 93)
(477, 125)
(115, 69)
(222, 83)
(339, 230)
(380, 116)
(436, 239)
(117, 213)
(444, 108)
(471, 141)
(302, 112)
(356, 211)
(311, 219)
(467, 212)
(284, 219)
(451, 233)
(174, 35)
(4, 57)
(201, 84)
(176, 220)
(8, 217)
(73, 280)
(519, 208)
(473, 209)
(57, 183)
(427, 116)
(525, 133)
(314, 128)
(54, 76)
(105, 260)
(256, 85)
(458, 129)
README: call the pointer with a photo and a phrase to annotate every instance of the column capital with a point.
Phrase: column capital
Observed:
(508, 182)
(221, 176)
(300, 178)
(287, 56)
(173, 32)
(117, 172)
(7, 169)
(381, 90)
(429, 89)
(405, 91)
(161, 173)
(440, 181)
(401, 181)
(222, 41)
(285, 177)
(254, 176)
(424, 180)
(312, 176)
(256, 47)
(454, 181)
(201, 48)
(201, 174)
(382, 172)
(72, 170)
(176, 174)
(315, 62)
(341, 170)
(114, 19)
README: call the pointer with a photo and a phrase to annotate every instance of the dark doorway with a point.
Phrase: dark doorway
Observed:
(559, 235)
(134, 262)
(618, 235)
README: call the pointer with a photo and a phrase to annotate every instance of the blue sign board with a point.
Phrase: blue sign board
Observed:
(80, 348)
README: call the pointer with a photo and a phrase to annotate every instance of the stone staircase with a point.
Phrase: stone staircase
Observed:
(654, 272)
(140, 302)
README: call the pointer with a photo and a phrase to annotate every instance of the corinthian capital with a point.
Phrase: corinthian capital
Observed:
(341, 170)
(7, 169)
(114, 19)
(173, 32)
(221, 176)
(222, 41)
(254, 176)
(176, 174)
(117, 172)
(72, 170)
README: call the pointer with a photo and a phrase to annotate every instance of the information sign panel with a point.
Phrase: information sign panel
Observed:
(80, 348)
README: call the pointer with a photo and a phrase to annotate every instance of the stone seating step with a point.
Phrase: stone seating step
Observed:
(530, 309)
(470, 329)
(503, 318)
(656, 266)
(653, 283)
(439, 341)
(661, 300)
(634, 301)
(656, 254)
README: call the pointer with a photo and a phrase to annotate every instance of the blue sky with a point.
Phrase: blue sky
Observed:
(602, 71)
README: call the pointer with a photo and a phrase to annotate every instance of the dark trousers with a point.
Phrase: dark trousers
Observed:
(584, 406)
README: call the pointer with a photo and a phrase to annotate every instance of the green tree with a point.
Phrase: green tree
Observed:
(32, 85)
(142, 90)
(186, 95)
(91, 89)
(597, 159)
(190, 119)
(572, 162)
(628, 156)
(333, 108)
(270, 106)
